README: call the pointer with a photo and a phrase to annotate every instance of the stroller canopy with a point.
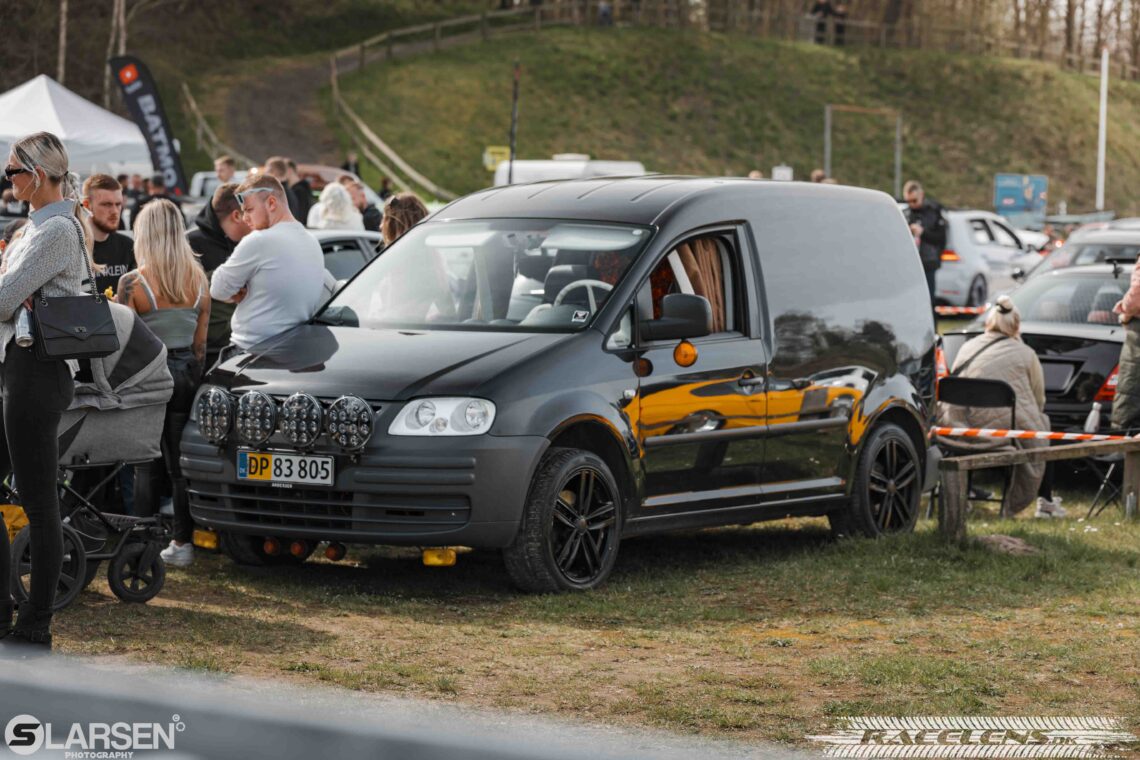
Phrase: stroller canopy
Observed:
(134, 376)
(120, 400)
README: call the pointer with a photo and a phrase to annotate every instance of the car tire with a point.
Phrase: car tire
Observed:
(887, 488)
(247, 550)
(569, 534)
(978, 292)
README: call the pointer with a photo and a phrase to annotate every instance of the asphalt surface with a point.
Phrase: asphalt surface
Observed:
(234, 716)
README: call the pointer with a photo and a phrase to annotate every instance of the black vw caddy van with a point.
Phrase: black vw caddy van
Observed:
(546, 369)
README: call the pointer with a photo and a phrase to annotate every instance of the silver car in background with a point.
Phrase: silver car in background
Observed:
(978, 262)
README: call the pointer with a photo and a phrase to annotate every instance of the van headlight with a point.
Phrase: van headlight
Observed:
(444, 416)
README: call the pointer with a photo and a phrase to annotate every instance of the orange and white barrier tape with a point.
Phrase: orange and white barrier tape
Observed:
(959, 311)
(1024, 434)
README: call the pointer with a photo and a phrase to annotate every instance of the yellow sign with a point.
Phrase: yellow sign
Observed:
(494, 155)
(14, 519)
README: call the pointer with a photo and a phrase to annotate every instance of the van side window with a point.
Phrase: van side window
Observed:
(705, 266)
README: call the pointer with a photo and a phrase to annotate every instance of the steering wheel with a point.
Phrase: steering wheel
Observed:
(589, 285)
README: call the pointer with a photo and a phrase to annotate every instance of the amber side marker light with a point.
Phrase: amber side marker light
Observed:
(299, 548)
(272, 547)
(206, 539)
(685, 354)
(439, 557)
(335, 552)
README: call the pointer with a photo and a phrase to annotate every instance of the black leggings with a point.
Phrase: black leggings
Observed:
(35, 395)
(186, 371)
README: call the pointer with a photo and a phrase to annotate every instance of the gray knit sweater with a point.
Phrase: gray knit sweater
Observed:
(49, 255)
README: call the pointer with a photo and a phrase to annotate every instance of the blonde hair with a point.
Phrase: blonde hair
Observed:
(1004, 318)
(45, 151)
(161, 247)
(336, 209)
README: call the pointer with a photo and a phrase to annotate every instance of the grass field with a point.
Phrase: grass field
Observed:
(716, 104)
(764, 632)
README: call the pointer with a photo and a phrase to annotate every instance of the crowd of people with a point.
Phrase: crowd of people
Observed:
(247, 270)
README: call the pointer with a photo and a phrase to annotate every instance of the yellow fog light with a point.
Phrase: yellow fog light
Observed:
(206, 539)
(439, 557)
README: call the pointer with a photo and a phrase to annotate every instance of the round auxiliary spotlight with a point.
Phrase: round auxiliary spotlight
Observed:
(349, 422)
(302, 419)
(215, 414)
(256, 417)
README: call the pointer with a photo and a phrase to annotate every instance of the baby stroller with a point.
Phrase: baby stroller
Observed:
(114, 421)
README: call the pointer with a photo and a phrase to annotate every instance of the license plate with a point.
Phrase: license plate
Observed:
(275, 467)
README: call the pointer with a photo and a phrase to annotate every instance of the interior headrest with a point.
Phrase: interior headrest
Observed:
(562, 275)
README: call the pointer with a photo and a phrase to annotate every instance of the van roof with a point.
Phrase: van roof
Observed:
(631, 200)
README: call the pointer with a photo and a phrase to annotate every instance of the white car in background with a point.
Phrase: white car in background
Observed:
(978, 262)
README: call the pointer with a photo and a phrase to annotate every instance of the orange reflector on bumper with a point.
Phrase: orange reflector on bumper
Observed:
(439, 557)
(206, 539)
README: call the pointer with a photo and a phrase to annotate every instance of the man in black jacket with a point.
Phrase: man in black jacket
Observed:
(928, 225)
(220, 227)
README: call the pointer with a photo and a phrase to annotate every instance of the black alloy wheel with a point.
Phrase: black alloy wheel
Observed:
(978, 292)
(584, 520)
(568, 539)
(887, 488)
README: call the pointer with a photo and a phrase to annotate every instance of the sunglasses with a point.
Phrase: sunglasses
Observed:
(242, 195)
(12, 171)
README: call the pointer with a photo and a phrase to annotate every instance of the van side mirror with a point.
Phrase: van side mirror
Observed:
(683, 315)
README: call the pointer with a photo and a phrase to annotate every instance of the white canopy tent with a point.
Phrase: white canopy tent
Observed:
(96, 139)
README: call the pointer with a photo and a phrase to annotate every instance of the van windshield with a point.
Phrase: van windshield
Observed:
(527, 275)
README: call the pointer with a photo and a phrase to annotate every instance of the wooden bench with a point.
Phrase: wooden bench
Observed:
(953, 471)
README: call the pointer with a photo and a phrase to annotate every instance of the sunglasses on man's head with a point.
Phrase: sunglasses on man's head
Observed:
(12, 171)
(242, 195)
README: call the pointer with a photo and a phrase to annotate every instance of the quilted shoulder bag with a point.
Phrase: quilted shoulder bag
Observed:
(74, 327)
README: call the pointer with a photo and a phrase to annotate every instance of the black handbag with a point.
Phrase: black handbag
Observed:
(74, 327)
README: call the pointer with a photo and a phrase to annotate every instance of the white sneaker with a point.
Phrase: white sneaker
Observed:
(178, 556)
(1047, 508)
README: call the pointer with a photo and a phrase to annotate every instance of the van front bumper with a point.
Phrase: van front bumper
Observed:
(466, 491)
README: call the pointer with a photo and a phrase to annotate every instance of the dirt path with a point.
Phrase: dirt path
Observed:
(279, 113)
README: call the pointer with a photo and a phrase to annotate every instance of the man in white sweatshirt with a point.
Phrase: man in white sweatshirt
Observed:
(276, 273)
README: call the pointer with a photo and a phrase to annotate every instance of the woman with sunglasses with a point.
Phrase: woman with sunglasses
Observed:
(48, 258)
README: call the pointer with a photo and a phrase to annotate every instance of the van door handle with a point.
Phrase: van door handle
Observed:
(750, 382)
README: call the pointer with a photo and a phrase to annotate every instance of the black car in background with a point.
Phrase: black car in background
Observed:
(546, 369)
(1066, 317)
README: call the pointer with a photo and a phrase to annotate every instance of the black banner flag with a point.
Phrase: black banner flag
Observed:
(145, 105)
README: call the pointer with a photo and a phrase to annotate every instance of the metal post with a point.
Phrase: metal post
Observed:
(1102, 134)
(827, 140)
(514, 124)
(898, 156)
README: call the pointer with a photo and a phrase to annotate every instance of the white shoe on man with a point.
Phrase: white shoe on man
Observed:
(1048, 508)
(178, 556)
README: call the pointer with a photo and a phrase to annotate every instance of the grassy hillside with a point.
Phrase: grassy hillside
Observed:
(715, 104)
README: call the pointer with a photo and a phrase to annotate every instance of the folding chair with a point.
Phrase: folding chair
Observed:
(987, 394)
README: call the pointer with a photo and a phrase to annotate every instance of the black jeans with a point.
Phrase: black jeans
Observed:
(35, 395)
(186, 371)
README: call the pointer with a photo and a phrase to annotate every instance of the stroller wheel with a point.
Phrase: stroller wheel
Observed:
(137, 574)
(71, 574)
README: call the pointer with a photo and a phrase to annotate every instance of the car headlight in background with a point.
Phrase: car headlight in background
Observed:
(302, 419)
(444, 416)
(214, 410)
(349, 422)
(256, 417)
